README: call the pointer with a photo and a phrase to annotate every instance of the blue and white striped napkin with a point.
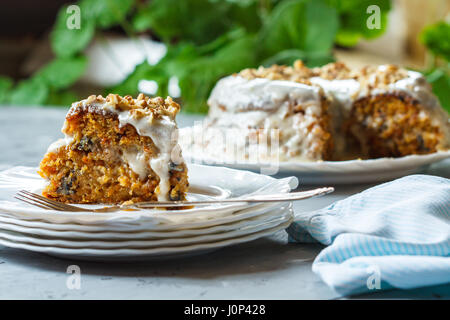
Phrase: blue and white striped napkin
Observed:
(396, 234)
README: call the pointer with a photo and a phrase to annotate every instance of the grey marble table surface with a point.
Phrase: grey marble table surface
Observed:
(268, 268)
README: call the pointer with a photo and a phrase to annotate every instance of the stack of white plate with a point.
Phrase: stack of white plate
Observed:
(144, 234)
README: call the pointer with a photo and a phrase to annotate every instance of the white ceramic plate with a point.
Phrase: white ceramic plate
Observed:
(144, 244)
(44, 230)
(219, 223)
(333, 172)
(219, 182)
(141, 254)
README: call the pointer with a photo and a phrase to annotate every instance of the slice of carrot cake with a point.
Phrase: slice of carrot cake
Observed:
(117, 149)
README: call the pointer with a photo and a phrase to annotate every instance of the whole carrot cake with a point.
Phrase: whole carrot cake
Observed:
(330, 113)
(117, 149)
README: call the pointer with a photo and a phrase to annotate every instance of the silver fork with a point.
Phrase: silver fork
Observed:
(49, 204)
(45, 203)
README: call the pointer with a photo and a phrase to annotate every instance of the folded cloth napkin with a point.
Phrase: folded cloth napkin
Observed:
(396, 234)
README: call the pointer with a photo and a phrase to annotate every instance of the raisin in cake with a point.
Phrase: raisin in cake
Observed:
(117, 149)
(327, 113)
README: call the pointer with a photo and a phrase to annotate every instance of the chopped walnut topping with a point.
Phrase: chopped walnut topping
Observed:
(333, 71)
(367, 76)
(381, 76)
(142, 106)
(298, 73)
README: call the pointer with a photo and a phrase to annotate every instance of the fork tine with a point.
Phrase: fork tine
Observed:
(47, 202)
(52, 204)
(48, 205)
(32, 203)
(38, 196)
(55, 204)
(30, 196)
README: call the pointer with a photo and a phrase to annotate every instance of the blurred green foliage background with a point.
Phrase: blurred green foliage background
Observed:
(208, 39)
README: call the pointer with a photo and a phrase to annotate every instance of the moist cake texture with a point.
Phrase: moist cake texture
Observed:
(327, 113)
(117, 149)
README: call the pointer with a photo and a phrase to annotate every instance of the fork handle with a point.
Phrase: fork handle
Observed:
(281, 197)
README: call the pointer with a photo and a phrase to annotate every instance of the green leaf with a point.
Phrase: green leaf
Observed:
(321, 26)
(347, 38)
(440, 82)
(246, 14)
(63, 72)
(61, 98)
(143, 71)
(202, 74)
(436, 38)
(353, 19)
(106, 13)
(200, 21)
(197, 68)
(300, 25)
(284, 28)
(30, 92)
(174, 63)
(236, 55)
(287, 57)
(5, 87)
(143, 19)
(66, 42)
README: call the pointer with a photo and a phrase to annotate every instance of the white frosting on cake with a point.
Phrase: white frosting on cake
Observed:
(346, 91)
(162, 132)
(60, 143)
(342, 92)
(240, 94)
(242, 104)
(137, 162)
